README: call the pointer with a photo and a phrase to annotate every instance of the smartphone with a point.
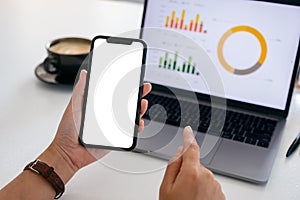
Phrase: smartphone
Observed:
(112, 100)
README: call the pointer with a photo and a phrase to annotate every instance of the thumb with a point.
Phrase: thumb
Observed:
(77, 98)
(173, 169)
(78, 93)
(80, 85)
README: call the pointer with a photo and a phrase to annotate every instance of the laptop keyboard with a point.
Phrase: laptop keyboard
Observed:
(237, 126)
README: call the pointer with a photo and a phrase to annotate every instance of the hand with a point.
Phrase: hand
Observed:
(186, 178)
(65, 143)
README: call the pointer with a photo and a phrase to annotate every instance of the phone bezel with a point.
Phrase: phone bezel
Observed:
(123, 41)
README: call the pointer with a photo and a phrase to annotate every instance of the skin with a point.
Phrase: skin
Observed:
(67, 156)
(186, 178)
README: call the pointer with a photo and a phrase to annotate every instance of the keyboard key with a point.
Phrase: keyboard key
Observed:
(227, 135)
(263, 144)
(238, 132)
(202, 129)
(239, 138)
(250, 141)
(265, 140)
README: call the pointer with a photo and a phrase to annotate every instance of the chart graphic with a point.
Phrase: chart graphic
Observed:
(195, 25)
(261, 59)
(169, 63)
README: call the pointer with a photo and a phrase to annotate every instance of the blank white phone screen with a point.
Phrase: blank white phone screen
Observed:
(112, 101)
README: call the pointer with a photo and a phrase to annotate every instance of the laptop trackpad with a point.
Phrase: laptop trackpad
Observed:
(162, 140)
(240, 159)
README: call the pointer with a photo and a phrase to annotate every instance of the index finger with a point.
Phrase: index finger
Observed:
(191, 148)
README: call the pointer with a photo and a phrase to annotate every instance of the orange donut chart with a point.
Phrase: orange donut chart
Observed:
(261, 59)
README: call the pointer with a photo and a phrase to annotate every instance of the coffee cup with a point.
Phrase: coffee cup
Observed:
(66, 56)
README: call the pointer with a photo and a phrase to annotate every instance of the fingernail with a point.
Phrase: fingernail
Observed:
(189, 129)
(83, 72)
(190, 134)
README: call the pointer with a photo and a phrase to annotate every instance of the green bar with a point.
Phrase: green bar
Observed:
(166, 59)
(183, 67)
(188, 69)
(170, 63)
(189, 63)
(166, 56)
(193, 70)
(160, 61)
(175, 60)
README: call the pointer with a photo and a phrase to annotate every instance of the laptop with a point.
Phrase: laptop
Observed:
(254, 46)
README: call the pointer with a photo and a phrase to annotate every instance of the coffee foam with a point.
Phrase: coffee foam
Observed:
(71, 47)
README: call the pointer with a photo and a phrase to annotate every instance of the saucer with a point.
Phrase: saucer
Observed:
(52, 78)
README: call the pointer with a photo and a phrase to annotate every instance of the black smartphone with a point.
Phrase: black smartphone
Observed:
(112, 101)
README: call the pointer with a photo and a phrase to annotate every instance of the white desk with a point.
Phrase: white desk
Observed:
(30, 110)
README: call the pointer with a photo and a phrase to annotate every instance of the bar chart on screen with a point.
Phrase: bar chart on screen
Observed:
(178, 66)
(173, 62)
(175, 21)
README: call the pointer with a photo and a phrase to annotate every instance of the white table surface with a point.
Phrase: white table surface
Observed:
(30, 110)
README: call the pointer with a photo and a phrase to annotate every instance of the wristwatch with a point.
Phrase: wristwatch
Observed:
(49, 174)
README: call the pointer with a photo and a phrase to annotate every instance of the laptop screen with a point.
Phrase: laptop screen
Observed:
(252, 43)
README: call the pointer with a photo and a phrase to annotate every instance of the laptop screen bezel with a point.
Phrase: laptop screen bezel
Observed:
(235, 103)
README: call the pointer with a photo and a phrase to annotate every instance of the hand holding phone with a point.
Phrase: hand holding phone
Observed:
(113, 93)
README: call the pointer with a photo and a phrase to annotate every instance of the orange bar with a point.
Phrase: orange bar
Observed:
(201, 27)
(191, 25)
(176, 24)
(172, 20)
(182, 19)
(196, 23)
(185, 27)
(167, 20)
(181, 24)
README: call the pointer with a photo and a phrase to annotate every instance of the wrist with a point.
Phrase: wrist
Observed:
(56, 158)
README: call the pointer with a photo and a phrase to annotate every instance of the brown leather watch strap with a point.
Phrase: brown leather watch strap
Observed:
(48, 173)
